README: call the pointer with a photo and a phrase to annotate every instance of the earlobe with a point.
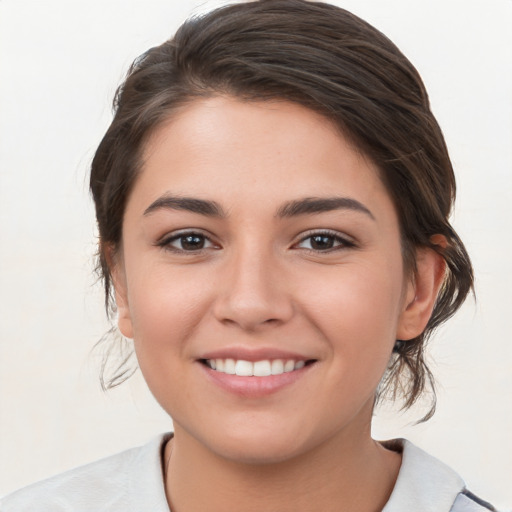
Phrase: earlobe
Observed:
(118, 275)
(421, 293)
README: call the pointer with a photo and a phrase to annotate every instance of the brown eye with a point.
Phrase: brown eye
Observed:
(323, 242)
(191, 242)
(186, 242)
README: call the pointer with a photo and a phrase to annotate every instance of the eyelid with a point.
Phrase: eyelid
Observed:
(344, 241)
(165, 241)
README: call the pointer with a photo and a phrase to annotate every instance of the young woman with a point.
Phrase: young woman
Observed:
(273, 198)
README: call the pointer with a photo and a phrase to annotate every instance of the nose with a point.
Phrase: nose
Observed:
(253, 292)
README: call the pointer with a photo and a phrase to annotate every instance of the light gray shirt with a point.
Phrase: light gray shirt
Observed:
(132, 481)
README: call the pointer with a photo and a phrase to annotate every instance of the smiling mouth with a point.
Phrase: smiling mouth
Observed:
(262, 368)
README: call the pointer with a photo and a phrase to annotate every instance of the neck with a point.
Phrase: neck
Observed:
(345, 473)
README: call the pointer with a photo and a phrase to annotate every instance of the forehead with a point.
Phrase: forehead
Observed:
(276, 146)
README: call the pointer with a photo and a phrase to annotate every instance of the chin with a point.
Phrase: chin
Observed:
(259, 450)
(259, 443)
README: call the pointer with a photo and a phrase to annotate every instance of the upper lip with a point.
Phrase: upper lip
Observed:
(254, 354)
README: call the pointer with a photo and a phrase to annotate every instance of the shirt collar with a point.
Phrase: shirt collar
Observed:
(424, 483)
(146, 487)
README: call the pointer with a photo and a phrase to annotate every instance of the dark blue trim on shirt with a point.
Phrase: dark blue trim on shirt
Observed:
(476, 499)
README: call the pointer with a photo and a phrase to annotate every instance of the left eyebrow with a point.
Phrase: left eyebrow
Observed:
(191, 204)
(320, 205)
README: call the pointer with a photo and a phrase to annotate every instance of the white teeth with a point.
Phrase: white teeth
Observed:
(261, 368)
(244, 368)
(289, 366)
(277, 367)
(229, 366)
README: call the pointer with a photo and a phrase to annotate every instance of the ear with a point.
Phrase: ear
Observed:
(118, 274)
(422, 290)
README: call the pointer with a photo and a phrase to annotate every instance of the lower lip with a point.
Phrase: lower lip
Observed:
(255, 387)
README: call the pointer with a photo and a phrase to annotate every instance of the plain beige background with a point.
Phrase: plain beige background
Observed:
(60, 62)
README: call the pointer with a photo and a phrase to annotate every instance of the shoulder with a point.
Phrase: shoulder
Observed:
(426, 484)
(118, 482)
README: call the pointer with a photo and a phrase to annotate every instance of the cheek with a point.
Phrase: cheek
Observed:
(166, 304)
(166, 308)
(357, 314)
(363, 298)
(170, 308)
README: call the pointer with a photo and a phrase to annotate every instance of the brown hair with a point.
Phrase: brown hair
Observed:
(332, 62)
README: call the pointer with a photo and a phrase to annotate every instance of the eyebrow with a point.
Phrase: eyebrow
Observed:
(191, 204)
(322, 204)
(308, 205)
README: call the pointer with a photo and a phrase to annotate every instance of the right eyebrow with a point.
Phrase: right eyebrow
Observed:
(312, 205)
(191, 204)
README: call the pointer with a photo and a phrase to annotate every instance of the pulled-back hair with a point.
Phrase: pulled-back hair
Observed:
(332, 62)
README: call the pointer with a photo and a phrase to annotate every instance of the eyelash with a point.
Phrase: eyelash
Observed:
(334, 237)
(166, 242)
(341, 241)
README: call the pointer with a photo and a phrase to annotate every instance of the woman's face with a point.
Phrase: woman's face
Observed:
(257, 240)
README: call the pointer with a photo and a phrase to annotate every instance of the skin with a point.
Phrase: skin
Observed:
(260, 282)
